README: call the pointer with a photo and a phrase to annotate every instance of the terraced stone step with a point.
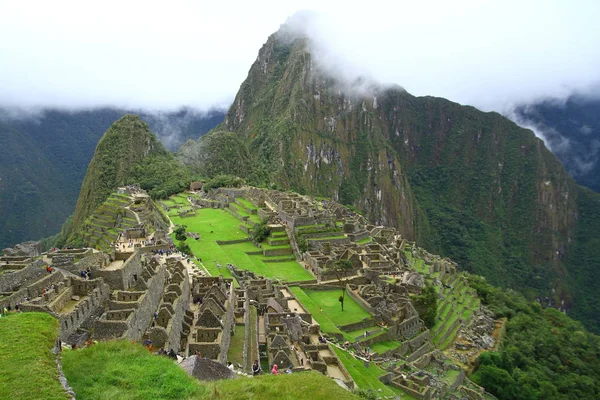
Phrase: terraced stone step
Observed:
(280, 259)
(278, 241)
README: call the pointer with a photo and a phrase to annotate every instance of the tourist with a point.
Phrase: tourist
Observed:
(255, 368)
(274, 370)
(289, 369)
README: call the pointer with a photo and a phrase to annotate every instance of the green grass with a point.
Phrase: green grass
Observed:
(367, 378)
(215, 224)
(122, 370)
(326, 324)
(382, 347)
(28, 367)
(301, 386)
(364, 241)
(246, 203)
(328, 300)
(360, 332)
(332, 316)
(236, 346)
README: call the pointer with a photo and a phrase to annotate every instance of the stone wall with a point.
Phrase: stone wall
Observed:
(139, 316)
(123, 278)
(277, 252)
(365, 323)
(362, 302)
(180, 303)
(85, 308)
(13, 281)
(228, 324)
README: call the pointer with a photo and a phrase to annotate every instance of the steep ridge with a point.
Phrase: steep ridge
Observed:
(470, 185)
(128, 153)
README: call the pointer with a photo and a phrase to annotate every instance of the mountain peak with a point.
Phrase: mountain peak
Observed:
(126, 142)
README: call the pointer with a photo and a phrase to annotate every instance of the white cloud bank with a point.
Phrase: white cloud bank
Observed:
(163, 55)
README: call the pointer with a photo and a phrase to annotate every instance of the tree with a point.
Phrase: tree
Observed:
(341, 270)
(184, 248)
(180, 233)
(426, 305)
(261, 231)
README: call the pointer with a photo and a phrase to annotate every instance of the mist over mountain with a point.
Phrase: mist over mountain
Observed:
(571, 129)
(44, 155)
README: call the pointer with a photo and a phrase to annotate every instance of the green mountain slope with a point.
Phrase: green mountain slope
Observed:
(469, 185)
(29, 199)
(128, 153)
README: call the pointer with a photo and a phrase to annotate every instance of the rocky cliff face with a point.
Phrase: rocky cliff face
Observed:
(470, 185)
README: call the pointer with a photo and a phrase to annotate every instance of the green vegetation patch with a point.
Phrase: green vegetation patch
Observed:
(28, 366)
(324, 311)
(297, 386)
(218, 225)
(326, 324)
(382, 347)
(235, 353)
(122, 370)
(328, 301)
(366, 377)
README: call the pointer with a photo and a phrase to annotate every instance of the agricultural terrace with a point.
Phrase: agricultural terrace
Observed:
(214, 225)
(458, 304)
(366, 375)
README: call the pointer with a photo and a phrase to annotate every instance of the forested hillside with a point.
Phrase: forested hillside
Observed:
(44, 157)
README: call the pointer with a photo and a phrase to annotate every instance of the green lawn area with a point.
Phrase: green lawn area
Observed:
(235, 353)
(216, 224)
(332, 315)
(326, 324)
(122, 370)
(382, 347)
(360, 332)
(246, 203)
(328, 300)
(28, 367)
(367, 378)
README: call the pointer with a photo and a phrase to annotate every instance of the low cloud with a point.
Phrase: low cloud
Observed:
(161, 56)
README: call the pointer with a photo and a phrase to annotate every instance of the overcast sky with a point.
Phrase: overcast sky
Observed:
(167, 54)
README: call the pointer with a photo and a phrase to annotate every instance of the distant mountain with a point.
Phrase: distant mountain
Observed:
(571, 129)
(470, 185)
(44, 157)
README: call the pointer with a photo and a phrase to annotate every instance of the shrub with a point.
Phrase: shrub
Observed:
(261, 231)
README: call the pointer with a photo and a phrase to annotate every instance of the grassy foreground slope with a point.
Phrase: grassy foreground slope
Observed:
(121, 370)
(28, 367)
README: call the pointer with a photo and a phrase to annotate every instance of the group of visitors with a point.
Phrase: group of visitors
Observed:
(86, 273)
(275, 369)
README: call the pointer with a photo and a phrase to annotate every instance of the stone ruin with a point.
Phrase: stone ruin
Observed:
(25, 249)
(210, 332)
